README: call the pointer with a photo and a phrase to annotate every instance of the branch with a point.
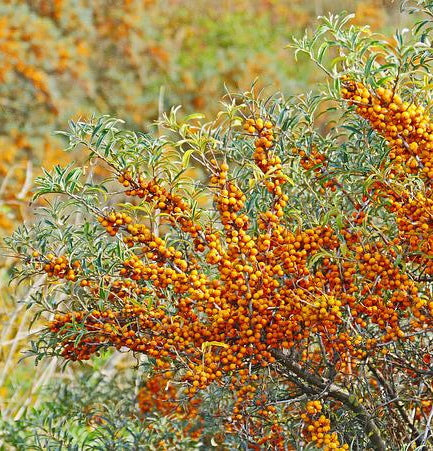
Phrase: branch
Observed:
(390, 392)
(339, 394)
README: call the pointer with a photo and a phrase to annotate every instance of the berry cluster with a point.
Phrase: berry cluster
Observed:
(114, 221)
(176, 210)
(159, 393)
(58, 267)
(317, 428)
(406, 126)
(318, 163)
(269, 162)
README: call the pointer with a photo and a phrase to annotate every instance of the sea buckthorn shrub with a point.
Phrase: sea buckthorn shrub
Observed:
(66, 59)
(295, 309)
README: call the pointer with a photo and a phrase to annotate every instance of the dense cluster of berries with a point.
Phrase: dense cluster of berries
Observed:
(413, 212)
(153, 247)
(58, 267)
(263, 131)
(114, 221)
(176, 209)
(104, 327)
(251, 304)
(229, 200)
(318, 163)
(317, 428)
(64, 324)
(408, 131)
(160, 394)
(268, 161)
(406, 126)
(315, 160)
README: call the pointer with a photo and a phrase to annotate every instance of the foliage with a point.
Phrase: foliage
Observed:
(295, 308)
(93, 412)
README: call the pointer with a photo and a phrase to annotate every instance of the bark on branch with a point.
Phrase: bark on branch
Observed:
(338, 393)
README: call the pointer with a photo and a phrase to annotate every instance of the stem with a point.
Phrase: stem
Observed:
(338, 393)
(427, 431)
(390, 392)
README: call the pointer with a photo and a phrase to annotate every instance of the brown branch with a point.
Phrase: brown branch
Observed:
(338, 393)
(390, 391)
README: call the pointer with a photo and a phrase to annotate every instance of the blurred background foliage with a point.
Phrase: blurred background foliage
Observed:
(64, 59)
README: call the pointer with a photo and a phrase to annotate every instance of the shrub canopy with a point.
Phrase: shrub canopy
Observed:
(295, 307)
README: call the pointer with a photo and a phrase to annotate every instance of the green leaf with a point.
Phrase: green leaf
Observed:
(186, 157)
